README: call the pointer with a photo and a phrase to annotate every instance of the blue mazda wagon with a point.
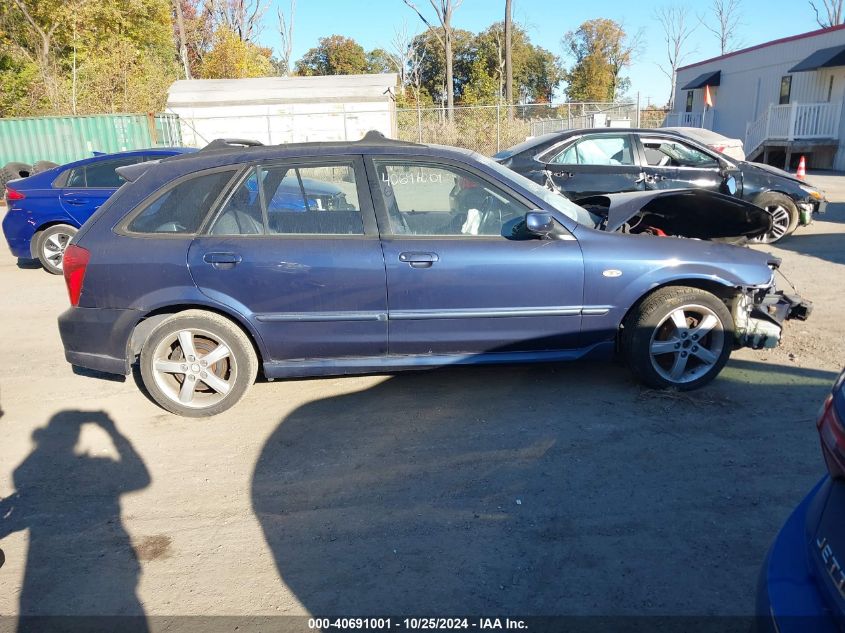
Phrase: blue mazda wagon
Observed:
(378, 255)
(46, 209)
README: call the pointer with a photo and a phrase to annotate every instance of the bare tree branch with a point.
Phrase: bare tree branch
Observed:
(286, 36)
(677, 29)
(443, 9)
(833, 12)
(243, 17)
(727, 14)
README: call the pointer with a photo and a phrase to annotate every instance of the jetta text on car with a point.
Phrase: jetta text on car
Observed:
(802, 583)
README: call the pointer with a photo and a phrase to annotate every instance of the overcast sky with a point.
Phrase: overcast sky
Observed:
(372, 24)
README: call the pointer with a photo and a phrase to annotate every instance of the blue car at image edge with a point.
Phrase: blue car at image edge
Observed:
(46, 210)
(802, 583)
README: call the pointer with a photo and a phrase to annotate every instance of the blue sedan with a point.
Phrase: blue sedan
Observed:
(372, 256)
(802, 583)
(46, 210)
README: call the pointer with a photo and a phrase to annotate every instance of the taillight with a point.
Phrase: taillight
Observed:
(719, 148)
(74, 263)
(11, 194)
(832, 434)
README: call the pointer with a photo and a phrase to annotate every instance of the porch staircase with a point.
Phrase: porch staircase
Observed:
(793, 127)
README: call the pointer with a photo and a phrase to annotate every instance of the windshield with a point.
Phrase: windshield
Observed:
(557, 201)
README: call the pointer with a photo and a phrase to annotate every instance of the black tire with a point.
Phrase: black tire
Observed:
(13, 171)
(50, 245)
(42, 165)
(776, 204)
(163, 352)
(700, 354)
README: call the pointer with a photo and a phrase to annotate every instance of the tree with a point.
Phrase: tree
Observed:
(334, 55)
(432, 62)
(677, 28)
(242, 17)
(509, 55)
(727, 14)
(601, 49)
(833, 12)
(380, 61)
(88, 56)
(182, 38)
(233, 58)
(443, 9)
(536, 71)
(286, 37)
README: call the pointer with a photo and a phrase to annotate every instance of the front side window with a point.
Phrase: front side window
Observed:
(599, 150)
(293, 200)
(785, 89)
(440, 200)
(661, 152)
(182, 208)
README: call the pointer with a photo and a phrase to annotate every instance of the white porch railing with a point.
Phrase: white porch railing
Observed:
(688, 119)
(794, 122)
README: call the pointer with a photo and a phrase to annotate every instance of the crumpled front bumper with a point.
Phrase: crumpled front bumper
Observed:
(758, 318)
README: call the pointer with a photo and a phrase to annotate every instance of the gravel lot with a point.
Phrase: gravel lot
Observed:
(514, 490)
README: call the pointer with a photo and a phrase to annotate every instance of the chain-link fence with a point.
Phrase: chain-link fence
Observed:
(490, 129)
(484, 129)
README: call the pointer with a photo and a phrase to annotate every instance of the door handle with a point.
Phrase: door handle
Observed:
(74, 201)
(222, 260)
(419, 260)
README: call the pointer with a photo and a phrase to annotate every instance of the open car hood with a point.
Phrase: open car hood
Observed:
(695, 213)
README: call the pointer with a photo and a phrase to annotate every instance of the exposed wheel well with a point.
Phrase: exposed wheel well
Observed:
(726, 293)
(152, 319)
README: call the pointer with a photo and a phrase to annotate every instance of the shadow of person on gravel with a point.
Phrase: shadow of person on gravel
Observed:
(80, 560)
(536, 490)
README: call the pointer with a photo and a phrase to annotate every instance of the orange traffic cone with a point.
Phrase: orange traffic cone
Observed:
(802, 169)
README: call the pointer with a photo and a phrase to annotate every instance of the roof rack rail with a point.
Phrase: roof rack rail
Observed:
(226, 143)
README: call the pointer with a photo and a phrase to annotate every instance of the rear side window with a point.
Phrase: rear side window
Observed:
(294, 200)
(101, 175)
(182, 208)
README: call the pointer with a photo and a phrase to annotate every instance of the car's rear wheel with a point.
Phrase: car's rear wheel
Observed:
(784, 216)
(198, 364)
(678, 337)
(51, 244)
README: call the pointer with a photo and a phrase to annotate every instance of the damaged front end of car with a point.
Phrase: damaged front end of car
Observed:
(690, 213)
(760, 311)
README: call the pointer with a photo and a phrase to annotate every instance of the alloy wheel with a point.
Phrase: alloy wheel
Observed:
(53, 248)
(194, 368)
(686, 344)
(780, 224)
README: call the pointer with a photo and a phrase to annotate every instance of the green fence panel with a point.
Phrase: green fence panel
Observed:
(63, 139)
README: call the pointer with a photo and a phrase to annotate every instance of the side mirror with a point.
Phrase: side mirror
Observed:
(539, 223)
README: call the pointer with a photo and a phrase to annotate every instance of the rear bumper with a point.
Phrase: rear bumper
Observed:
(18, 228)
(788, 598)
(98, 338)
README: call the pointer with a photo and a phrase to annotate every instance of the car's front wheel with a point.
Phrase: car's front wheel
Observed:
(678, 337)
(51, 244)
(198, 364)
(784, 216)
